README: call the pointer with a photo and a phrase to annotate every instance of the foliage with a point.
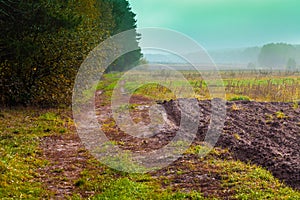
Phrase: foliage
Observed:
(280, 115)
(291, 64)
(239, 98)
(124, 20)
(278, 86)
(276, 55)
(29, 40)
(296, 104)
(43, 44)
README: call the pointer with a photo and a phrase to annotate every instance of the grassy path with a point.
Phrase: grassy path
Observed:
(41, 157)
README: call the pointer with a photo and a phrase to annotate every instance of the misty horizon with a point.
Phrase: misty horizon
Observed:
(221, 25)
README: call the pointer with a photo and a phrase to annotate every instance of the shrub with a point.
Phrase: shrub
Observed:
(240, 98)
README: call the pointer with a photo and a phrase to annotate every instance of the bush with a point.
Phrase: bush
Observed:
(239, 98)
(43, 44)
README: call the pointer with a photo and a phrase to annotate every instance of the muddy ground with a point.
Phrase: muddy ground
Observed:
(266, 134)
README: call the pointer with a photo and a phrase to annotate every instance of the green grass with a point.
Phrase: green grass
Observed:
(253, 182)
(280, 115)
(238, 86)
(247, 181)
(111, 184)
(125, 188)
(20, 131)
(239, 98)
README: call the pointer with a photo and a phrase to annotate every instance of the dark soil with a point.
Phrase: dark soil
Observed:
(253, 133)
(67, 158)
(266, 134)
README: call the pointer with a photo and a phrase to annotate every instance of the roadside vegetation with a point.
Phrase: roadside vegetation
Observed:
(22, 129)
(43, 43)
(276, 86)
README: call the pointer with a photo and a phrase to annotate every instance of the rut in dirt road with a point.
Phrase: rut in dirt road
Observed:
(267, 134)
(68, 159)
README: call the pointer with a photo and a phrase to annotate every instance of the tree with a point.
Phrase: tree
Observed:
(43, 43)
(291, 64)
(28, 37)
(276, 55)
(124, 19)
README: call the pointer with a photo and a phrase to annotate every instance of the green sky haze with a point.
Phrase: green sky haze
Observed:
(217, 24)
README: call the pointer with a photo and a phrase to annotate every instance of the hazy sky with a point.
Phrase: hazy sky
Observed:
(219, 24)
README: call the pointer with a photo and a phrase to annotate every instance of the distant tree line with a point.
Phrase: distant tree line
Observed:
(279, 55)
(44, 42)
(275, 56)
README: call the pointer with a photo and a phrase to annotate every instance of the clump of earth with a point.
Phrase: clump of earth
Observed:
(266, 134)
(262, 133)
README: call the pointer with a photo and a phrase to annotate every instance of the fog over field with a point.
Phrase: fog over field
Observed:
(236, 58)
